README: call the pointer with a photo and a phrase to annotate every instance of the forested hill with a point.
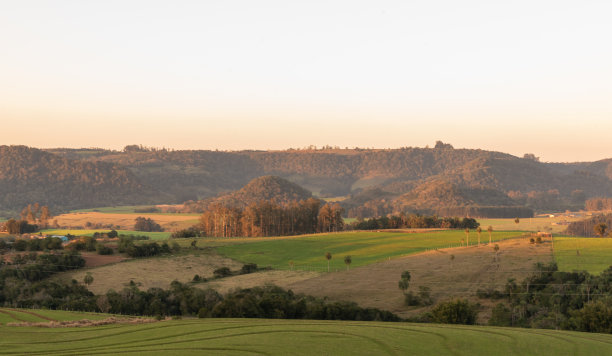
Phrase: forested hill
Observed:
(269, 188)
(477, 176)
(29, 175)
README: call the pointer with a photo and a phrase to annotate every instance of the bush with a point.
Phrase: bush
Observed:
(410, 299)
(146, 224)
(203, 312)
(222, 272)
(458, 311)
(248, 268)
(489, 294)
(425, 295)
(104, 250)
(501, 316)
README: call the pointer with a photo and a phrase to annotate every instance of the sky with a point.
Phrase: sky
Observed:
(511, 76)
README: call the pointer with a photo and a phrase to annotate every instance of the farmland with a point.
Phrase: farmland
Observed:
(375, 285)
(276, 337)
(13, 315)
(557, 223)
(583, 253)
(307, 252)
(124, 220)
(79, 232)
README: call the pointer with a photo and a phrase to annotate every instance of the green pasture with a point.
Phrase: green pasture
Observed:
(152, 235)
(308, 252)
(298, 337)
(590, 254)
(14, 315)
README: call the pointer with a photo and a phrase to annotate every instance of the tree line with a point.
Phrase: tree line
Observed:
(413, 221)
(587, 227)
(551, 299)
(598, 204)
(267, 218)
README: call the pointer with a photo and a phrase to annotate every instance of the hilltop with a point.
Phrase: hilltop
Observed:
(269, 188)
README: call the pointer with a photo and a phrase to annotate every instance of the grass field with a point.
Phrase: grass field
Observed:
(298, 337)
(583, 253)
(308, 252)
(124, 221)
(12, 315)
(528, 224)
(152, 235)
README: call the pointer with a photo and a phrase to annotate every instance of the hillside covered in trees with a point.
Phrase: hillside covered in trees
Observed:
(267, 188)
(29, 175)
(374, 181)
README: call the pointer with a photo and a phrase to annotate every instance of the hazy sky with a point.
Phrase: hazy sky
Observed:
(512, 76)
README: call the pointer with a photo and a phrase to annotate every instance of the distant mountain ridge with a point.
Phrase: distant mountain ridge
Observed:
(403, 176)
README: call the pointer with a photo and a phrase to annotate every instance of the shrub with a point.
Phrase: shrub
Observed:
(501, 316)
(203, 312)
(458, 311)
(104, 250)
(411, 299)
(425, 295)
(222, 272)
(248, 268)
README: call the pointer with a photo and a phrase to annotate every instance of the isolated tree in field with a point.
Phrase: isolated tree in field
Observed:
(348, 260)
(452, 258)
(517, 221)
(600, 229)
(88, 279)
(490, 230)
(479, 231)
(467, 237)
(496, 249)
(404, 281)
(328, 256)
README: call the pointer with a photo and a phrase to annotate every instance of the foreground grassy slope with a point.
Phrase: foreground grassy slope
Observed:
(583, 253)
(298, 337)
(308, 252)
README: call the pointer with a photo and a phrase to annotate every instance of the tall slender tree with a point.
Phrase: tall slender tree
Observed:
(348, 260)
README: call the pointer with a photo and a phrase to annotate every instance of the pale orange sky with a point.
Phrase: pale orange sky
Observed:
(526, 76)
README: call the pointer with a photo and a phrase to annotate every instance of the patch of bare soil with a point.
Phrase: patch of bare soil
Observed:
(471, 269)
(95, 260)
(85, 322)
(279, 278)
(147, 273)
